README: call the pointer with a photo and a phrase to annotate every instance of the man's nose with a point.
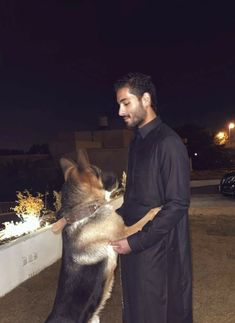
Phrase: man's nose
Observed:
(121, 111)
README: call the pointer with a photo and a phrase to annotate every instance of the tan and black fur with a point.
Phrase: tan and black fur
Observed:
(88, 259)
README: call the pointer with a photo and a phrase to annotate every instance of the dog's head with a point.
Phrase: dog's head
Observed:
(84, 185)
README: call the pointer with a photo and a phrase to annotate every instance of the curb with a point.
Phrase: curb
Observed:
(200, 183)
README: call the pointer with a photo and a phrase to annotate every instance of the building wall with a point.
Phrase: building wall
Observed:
(108, 149)
(113, 138)
(9, 158)
(110, 159)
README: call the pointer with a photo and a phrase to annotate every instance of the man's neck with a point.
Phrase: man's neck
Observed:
(148, 119)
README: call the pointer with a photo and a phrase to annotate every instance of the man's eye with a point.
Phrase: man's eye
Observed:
(126, 103)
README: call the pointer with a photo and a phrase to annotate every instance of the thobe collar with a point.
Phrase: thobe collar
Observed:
(145, 130)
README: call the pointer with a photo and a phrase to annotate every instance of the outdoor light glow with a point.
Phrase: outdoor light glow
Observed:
(220, 135)
(28, 208)
(231, 125)
(195, 154)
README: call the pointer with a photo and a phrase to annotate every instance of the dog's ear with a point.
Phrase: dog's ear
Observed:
(67, 165)
(82, 159)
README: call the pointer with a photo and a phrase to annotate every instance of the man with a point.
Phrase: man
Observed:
(155, 262)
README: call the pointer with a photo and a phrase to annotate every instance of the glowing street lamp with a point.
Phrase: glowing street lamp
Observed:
(230, 126)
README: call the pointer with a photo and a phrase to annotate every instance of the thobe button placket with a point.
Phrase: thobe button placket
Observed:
(136, 143)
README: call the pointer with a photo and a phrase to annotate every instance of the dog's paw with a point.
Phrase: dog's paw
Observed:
(58, 226)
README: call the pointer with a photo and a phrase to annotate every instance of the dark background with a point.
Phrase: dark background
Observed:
(59, 59)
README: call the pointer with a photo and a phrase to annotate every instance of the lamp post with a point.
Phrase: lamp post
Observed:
(230, 126)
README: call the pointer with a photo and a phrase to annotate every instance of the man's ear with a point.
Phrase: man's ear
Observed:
(146, 99)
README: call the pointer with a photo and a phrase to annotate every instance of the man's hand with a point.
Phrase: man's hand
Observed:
(121, 246)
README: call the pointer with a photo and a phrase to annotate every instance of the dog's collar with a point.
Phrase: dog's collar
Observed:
(83, 212)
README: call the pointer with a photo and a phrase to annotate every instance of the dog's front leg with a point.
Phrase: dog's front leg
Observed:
(139, 225)
(59, 225)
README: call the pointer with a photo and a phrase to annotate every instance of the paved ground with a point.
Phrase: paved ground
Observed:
(213, 249)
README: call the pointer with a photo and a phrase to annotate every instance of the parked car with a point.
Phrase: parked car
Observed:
(227, 184)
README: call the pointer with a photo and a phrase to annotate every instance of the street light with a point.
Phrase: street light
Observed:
(230, 126)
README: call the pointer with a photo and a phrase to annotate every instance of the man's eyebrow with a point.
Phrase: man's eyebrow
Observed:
(125, 99)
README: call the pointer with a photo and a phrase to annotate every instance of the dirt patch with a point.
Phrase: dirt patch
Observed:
(213, 249)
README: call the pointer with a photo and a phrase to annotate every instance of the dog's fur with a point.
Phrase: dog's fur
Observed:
(88, 260)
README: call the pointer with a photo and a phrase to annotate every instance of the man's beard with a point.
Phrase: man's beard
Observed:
(138, 117)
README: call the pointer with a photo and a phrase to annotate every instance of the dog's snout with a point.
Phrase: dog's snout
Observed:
(110, 181)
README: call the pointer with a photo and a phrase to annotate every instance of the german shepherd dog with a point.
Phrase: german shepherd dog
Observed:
(88, 260)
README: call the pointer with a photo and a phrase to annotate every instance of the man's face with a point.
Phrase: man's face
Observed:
(131, 108)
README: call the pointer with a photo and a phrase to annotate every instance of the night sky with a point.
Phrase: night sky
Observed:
(59, 59)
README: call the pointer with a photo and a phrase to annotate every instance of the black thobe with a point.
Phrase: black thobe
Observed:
(156, 276)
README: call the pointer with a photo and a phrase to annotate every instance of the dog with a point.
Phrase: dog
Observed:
(88, 260)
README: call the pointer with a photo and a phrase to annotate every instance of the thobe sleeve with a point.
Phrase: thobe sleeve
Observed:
(175, 178)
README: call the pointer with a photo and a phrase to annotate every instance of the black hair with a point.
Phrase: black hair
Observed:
(138, 84)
